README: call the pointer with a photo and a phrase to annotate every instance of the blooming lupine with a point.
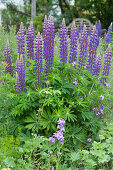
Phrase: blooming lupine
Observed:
(21, 40)
(48, 38)
(107, 65)
(7, 55)
(38, 60)
(97, 65)
(20, 75)
(73, 43)
(98, 28)
(92, 50)
(30, 41)
(59, 134)
(83, 49)
(45, 37)
(63, 43)
(108, 37)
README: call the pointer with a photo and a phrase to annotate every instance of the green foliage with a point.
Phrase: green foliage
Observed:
(100, 154)
(38, 22)
(13, 155)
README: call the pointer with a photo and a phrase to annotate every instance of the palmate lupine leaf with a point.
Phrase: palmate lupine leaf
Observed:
(46, 121)
(68, 116)
(32, 121)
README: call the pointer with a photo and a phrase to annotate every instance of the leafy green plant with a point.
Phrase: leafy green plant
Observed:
(100, 154)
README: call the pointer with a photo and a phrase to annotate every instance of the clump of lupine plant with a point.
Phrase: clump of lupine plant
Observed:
(38, 60)
(59, 134)
(97, 65)
(30, 41)
(48, 38)
(8, 66)
(63, 43)
(83, 49)
(73, 44)
(20, 75)
(21, 40)
(108, 37)
(92, 50)
(107, 65)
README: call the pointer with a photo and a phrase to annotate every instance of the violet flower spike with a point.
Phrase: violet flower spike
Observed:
(83, 49)
(63, 43)
(50, 46)
(108, 37)
(92, 50)
(8, 66)
(38, 60)
(21, 40)
(107, 65)
(59, 134)
(97, 65)
(73, 44)
(44, 34)
(20, 75)
(30, 41)
(98, 28)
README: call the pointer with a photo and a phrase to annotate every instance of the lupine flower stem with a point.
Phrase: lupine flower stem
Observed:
(92, 50)
(83, 49)
(20, 75)
(38, 60)
(21, 40)
(8, 67)
(107, 65)
(30, 41)
(73, 44)
(63, 43)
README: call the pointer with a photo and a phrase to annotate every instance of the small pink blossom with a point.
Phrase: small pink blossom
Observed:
(47, 82)
(107, 85)
(74, 64)
(102, 97)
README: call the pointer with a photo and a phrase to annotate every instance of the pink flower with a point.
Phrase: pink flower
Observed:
(107, 85)
(102, 97)
(75, 82)
(47, 82)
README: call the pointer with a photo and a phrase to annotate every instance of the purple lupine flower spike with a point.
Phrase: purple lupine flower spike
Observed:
(21, 40)
(83, 49)
(107, 65)
(97, 65)
(92, 50)
(73, 44)
(98, 28)
(108, 37)
(45, 40)
(59, 133)
(20, 75)
(50, 45)
(7, 55)
(63, 43)
(38, 60)
(30, 41)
